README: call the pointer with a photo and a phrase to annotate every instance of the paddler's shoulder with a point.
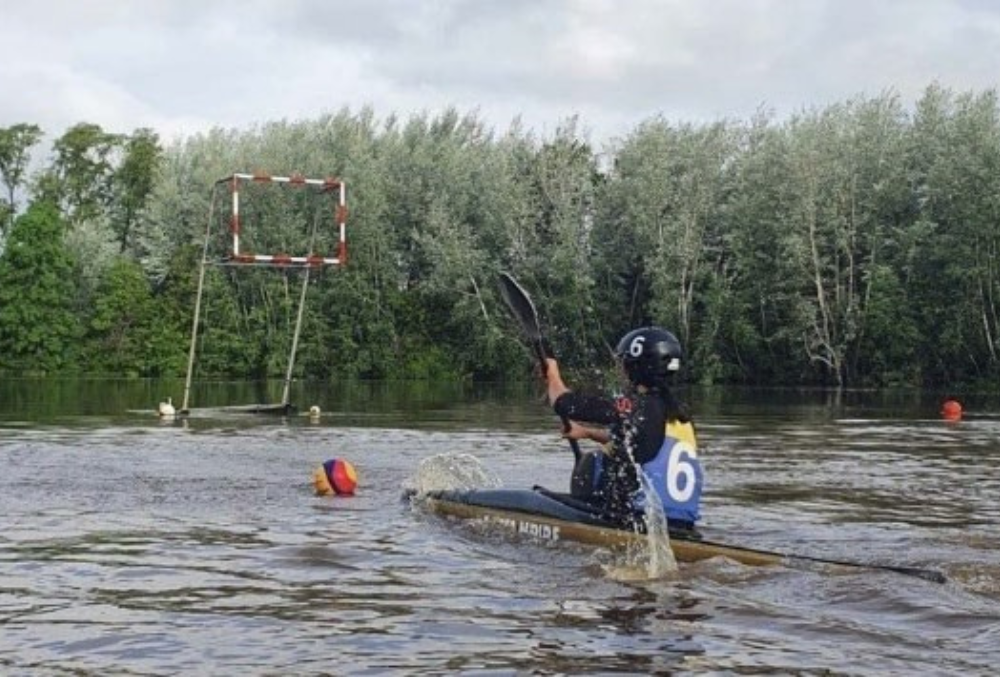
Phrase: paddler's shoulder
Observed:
(683, 431)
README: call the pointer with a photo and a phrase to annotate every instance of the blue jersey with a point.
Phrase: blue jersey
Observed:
(676, 474)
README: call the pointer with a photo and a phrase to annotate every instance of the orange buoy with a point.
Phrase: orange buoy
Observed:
(335, 476)
(951, 410)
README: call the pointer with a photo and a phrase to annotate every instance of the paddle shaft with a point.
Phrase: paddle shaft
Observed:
(926, 574)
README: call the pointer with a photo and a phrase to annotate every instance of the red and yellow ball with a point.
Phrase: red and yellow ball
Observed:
(335, 476)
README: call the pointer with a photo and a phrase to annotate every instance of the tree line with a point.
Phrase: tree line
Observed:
(856, 244)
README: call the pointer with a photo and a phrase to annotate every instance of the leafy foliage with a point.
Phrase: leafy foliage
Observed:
(16, 142)
(850, 245)
(127, 333)
(38, 326)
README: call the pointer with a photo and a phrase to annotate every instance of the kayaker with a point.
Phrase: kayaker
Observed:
(646, 425)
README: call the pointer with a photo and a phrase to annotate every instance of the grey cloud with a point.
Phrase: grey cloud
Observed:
(183, 63)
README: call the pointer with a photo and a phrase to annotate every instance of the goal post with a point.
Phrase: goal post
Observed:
(279, 222)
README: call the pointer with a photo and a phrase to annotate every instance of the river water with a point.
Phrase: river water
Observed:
(131, 545)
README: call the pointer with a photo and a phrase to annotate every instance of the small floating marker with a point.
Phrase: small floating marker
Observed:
(951, 410)
(335, 476)
(314, 411)
(166, 409)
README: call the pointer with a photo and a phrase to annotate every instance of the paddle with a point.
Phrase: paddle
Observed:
(523, 310)
(926, 574)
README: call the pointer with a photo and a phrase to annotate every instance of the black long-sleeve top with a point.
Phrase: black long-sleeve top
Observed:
(637, 426)
(636, 422)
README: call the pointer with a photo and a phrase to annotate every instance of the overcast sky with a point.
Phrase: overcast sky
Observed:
(181, 67)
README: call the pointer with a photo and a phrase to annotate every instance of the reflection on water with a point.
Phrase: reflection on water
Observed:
(198, 547)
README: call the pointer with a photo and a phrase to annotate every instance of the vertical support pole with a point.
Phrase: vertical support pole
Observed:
(234, 224)
(197, 307)
(342, 218)
(285, 393)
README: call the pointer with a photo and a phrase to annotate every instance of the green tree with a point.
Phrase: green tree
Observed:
(132, 183)
(848, 245)
(39, 329)
(667, 189)
(846, 173)
(886, 352)
(757, 340)
(80, 177)
(128, 332)
(558, 183)
(16, 143)
(954, 273)
(79, 181)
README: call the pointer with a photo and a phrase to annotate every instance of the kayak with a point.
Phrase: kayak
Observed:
(550, 516)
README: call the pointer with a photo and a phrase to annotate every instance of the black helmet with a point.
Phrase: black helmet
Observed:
(650, 355)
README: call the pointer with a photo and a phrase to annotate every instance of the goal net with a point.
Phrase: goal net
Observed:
(278, 221)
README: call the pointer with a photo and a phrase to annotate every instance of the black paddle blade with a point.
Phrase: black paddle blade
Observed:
(520, 306)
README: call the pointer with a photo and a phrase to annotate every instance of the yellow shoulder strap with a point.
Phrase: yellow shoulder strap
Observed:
(682, 431)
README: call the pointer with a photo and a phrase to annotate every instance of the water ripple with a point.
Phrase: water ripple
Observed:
(163, 550)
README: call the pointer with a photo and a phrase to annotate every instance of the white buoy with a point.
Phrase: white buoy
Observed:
(314, 411)
(167, 408)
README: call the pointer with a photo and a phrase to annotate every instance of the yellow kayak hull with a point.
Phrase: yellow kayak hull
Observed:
(546, 516)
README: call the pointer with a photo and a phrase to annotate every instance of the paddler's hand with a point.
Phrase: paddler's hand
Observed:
(576, 431)
(549, 369)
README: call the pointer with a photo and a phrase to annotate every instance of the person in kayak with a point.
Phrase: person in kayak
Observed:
(645, 427)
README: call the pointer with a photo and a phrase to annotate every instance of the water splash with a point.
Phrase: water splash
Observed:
(651, 558)
(451, 471)
(660, 560)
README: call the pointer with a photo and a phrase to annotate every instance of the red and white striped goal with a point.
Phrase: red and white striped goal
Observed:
(316, 225)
